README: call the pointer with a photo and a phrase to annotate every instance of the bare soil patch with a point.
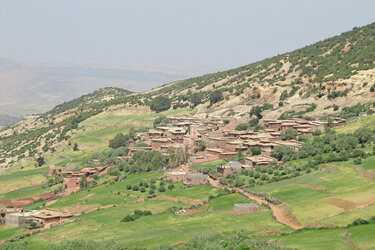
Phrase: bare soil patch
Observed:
(341, 203)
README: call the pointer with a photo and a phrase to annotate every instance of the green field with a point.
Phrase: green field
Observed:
(362, 122)
(362, 237)
(21, 179)
(162, 226)
(323, 195)
(211, 165)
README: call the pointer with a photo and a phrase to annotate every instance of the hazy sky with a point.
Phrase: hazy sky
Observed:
(209, 34)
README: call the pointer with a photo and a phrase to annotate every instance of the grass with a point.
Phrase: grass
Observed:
(7, 231)
(198, 193)
(362, 236)
(362, 122)
(226, 202)
(21, 179)
(307, 194)
(211, 165)
(106, 194)
(368, 163)
(160, 227)
(27, 192)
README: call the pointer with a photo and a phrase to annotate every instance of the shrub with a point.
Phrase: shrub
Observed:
(242, 126)
(255, 151)
(216, 96)
(160, 103)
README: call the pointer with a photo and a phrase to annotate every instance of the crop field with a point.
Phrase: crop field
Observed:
(21, 179)
(162, 226)
(362, 122)
(326, 196)
(368, 163)
(211, 165)
(359, 237)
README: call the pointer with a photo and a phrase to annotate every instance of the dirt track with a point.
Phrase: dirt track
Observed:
(281, 213)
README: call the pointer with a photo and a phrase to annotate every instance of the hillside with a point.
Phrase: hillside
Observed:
(317, 80)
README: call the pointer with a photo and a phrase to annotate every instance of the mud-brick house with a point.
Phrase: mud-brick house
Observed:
(195, 179)
(258, 161)
(275, 125)
(287, 125)
(175, 176)
(216, 142)
(49, 215)
(318, 125)
(59, 171)
(153, 133)
(72, 183)
(232, 167)
(234, 146)
(246, 208)
(176, 134)
(215, 152)
(158, 143)
(226, 155)
(89, 172)
(132, 150)
(337, 121)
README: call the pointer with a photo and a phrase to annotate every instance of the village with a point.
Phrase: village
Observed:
(193, 141)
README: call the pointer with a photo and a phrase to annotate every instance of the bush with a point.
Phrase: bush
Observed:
(216, 96)
(242, 126)
(160, 103)
(161, 189)
(135, 187)
(255, 151)
(127, 218)
(288, 134)
(357, 161)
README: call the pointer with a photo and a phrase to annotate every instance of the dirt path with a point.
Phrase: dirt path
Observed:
(281, 213)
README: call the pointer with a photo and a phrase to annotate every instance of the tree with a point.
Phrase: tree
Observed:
(257, 111)
(216, 96)
(119, 140)
(242, 126)
(363, 135)
(253, 122)
(202, 146)
(40, 161)
(196, 99)
(288, 134)
(75, 147)
(160, 103)
(283, 153)
(160, 121)
(255, 151)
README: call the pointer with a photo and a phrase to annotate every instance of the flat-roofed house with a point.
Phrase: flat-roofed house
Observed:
(258, 161)
(232, 167)
(18, 219)
(175, 176)
(195, 179)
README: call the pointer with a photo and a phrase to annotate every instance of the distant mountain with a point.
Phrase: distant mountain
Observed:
(6, 120)
(35, 88)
